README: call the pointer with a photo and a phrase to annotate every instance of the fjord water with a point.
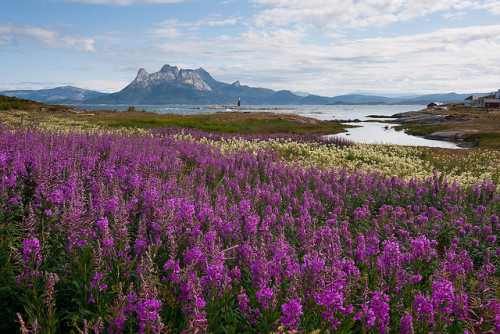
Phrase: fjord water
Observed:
(372, 132)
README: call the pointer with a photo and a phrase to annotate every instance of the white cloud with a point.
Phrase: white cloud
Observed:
(28, 85)
(14, 34)
(493, 6)
(211, 20)
(460, 59)
(105, 86)
(334, 14)
(170, 33)
(454, 15)
(174, 28)
(221, 22)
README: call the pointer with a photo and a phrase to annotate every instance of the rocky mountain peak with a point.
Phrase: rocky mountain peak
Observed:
(172, 76)
(168, 68)
(142, 75)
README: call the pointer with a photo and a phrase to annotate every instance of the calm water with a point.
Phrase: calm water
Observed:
(367, 132)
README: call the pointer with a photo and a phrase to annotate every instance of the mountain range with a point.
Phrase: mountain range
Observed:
(58, 95)
(185, 86)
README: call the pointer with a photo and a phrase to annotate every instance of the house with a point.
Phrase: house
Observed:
(490, 101)
(434, 105)
(471, 101)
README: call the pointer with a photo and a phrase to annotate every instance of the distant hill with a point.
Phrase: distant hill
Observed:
(358, 98)
(425, 99)
(185, 86)
(59, 95)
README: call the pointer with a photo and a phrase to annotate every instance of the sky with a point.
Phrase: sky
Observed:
(324, 47)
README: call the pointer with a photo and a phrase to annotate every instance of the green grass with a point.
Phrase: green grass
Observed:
(13, 103)
(484, 139)
(239, 123)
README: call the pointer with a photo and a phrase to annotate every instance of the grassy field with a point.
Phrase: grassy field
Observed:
(16, 112)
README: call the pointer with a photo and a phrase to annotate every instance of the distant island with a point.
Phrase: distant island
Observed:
(197, 87)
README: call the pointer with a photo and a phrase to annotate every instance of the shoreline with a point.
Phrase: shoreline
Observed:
(466, 127)
(238, 108)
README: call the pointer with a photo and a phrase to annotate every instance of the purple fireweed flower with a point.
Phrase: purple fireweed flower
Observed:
(102, 225)
(130, 300)
(487, 230)
(292, 312)
(380, 306)
(406, 324)
(367, 315)
(421, 249)
(264, 295)
(456, 265)
(332, 299)
(31, 250)
(243, 303)
(391, 257)
(200, 303)
(141, 245)
(118, 321)
(235, 274)
(423, 309)
(486, 270)
(415, 278)
(313, 263)
(460, 306)
(442, 296)
(96, 279)
(148, 314)
(372, 245)
(57, 196)
(360, 251)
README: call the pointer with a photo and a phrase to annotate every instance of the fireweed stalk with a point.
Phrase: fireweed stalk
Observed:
(174, 231)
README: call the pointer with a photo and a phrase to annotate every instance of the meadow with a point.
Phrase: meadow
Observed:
(174, 230)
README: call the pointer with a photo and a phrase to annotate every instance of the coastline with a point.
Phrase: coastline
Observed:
(238, 108)
(468, 127)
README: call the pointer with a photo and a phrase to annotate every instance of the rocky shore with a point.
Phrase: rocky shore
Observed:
(428, 116)
(452, 131)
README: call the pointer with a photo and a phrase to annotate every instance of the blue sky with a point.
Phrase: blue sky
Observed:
(325, 47)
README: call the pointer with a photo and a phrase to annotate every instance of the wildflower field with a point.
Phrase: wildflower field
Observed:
(170, 231)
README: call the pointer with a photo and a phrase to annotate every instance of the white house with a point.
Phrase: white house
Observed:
(471, 101)
(482, 102)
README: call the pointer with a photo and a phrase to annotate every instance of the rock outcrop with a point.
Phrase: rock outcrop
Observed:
(171, 85)
(171, 76)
